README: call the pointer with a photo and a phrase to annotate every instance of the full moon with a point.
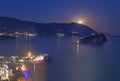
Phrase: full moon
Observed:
(80, 22)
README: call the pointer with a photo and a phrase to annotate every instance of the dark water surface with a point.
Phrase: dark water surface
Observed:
(70, 62)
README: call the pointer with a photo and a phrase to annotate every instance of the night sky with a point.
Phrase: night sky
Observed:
(101, 15)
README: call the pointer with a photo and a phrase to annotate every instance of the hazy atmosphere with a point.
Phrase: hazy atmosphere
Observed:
(59, 40)
(101, 15)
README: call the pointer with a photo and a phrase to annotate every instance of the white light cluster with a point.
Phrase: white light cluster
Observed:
(39, 58)
(4, 72)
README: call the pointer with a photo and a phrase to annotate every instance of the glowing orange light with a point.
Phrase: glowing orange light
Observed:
(16, 33)
(29, 54)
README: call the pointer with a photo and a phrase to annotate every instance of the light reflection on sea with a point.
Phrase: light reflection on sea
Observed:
(70, 62)
(38, 72)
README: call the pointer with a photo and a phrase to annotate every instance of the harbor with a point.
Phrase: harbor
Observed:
(18, 68)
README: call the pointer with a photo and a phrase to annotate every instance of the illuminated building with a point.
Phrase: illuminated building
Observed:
(15, 66)
(4, 72)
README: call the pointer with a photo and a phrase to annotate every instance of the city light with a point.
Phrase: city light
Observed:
(29, 54)
(23, 68)
(18, 65)
(4, 72)
(21, 60)
(39, 58)
(78, 42)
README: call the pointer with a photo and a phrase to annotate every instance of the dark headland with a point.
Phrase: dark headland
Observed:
(44, 29)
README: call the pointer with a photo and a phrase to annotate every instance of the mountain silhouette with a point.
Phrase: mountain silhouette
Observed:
(12, 24)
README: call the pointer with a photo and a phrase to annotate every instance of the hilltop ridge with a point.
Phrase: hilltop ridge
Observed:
(12, 24)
